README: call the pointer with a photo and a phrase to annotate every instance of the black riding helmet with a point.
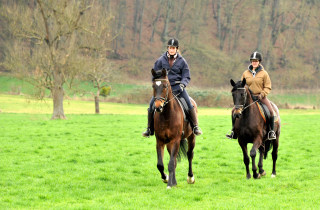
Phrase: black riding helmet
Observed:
(256, 56)
(173, 42)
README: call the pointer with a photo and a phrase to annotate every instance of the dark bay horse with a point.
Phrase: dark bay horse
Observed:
(251, 128)
(170, 128)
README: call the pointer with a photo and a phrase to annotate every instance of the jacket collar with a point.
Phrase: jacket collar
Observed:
(176, 56)
(260, 67)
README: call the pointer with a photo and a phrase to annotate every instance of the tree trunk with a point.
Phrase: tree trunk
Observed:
(164, 35)
(140, 23)
(57, 96)
(180, 19)
(261, 26)
(96, 102)
(154, 22)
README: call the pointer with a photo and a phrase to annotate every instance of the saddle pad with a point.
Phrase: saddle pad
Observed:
(262, 113)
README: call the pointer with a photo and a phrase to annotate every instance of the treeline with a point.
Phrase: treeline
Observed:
(216, 37)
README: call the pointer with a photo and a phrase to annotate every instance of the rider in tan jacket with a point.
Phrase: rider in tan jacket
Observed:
(259, 83)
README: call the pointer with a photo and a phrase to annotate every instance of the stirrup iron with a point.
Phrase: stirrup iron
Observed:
(230, 136)
(147, 133)
(271, 135)
(197, 128)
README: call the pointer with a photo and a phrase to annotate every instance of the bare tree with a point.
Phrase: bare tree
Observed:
(98, 72)
(94, 48)
(53, 27)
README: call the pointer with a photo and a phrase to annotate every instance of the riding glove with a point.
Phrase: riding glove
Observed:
(182, 86)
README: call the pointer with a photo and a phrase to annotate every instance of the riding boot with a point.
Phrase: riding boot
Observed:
(194, 122)
(232, 134)
(271, 134)
(150, 130)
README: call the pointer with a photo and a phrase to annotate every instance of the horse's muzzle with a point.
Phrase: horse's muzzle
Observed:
(237, 113)
(159, 109)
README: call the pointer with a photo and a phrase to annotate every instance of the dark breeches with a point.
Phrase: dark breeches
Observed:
(266, 101)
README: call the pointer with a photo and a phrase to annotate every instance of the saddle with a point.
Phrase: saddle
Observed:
(184, 106)
(265, 112)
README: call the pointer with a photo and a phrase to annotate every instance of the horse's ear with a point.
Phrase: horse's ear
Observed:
(164, 72)
(153, 72)
(243, 82)
(232, 82)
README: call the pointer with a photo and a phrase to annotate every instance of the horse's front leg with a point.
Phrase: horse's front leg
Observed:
(160, 149)
(253, 153)
(260, 164)
(246, 159)
(173, 148)
(191, 145)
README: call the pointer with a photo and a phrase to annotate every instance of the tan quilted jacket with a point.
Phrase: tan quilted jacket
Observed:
(260, 83)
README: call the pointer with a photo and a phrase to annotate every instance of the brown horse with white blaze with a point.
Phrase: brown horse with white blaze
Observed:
(171, 129)
(251, 128)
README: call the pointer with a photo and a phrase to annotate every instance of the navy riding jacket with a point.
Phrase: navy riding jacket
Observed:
(178, 73)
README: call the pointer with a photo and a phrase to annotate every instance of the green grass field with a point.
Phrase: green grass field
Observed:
(101, 161)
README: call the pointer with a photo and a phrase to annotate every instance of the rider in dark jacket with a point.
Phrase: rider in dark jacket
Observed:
(179, 77)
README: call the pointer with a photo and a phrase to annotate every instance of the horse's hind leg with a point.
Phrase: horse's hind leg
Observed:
(160, 149)
(191, 145)
(173, 149)
(260, 164)
(275, 156)
(246, 159)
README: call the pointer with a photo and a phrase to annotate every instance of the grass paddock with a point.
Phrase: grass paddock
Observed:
(101, 161)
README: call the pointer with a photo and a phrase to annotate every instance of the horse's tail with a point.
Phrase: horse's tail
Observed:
(267, 148)
(182, 149)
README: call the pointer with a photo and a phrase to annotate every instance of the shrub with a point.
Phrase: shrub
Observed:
(105, 91)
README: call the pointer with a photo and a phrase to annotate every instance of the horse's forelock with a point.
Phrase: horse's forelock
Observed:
(158, 75)
(236, 86)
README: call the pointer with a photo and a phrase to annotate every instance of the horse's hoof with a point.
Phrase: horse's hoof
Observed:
(263, 173)
(273, 176)
(166, 180)
(168, 188)
(258, 176)
(190, 180)
(248, 176)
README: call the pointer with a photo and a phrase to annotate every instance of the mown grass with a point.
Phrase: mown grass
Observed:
(101, 161)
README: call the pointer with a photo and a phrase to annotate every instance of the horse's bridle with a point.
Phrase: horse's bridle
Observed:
(167, 93)
(165, 100)
(240, 107)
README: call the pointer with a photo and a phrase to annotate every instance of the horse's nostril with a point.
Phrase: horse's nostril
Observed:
(159, 109)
